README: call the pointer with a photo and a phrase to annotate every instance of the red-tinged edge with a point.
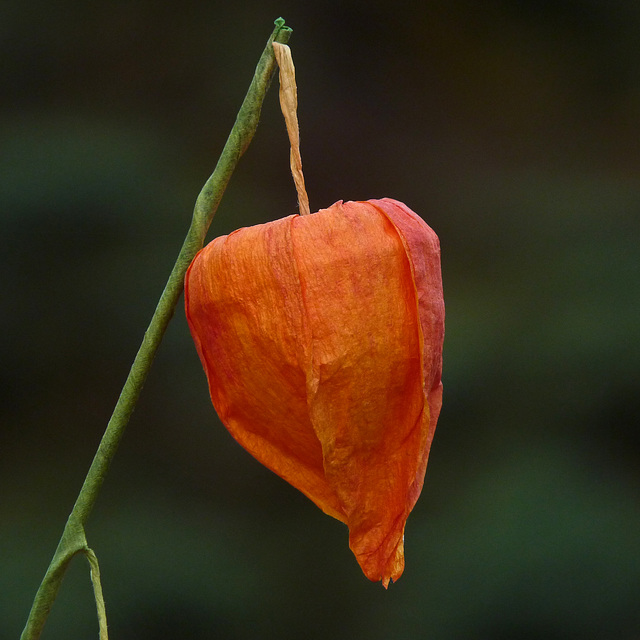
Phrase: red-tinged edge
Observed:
(407, 223)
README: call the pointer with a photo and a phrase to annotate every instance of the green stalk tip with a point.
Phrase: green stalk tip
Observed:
(280, 24)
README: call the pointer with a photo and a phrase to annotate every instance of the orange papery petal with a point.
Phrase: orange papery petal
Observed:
(244, 307)
(423, 251)
(366, 390)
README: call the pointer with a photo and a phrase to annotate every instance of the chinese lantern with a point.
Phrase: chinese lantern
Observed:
(321, 338)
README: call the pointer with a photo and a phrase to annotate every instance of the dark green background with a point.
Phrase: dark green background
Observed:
(512, 127)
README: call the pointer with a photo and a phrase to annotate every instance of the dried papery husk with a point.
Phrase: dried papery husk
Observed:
(321, 337)
(289, 106)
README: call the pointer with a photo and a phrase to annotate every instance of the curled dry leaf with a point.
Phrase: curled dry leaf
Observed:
(289, 108)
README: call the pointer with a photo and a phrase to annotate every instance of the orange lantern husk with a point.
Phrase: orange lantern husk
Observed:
(321, 337)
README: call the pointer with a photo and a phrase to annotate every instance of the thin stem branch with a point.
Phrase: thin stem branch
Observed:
(73, 538)
(97, 592)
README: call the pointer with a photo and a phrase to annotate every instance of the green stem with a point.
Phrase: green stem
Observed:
(73, 538)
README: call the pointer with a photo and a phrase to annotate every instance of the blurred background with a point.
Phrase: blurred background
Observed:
(511, 126)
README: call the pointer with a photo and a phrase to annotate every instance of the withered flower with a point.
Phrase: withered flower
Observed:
(321, 337)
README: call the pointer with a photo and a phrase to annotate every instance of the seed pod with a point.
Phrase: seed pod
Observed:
(321, 337)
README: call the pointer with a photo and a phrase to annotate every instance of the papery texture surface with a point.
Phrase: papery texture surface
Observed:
(321, 337)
